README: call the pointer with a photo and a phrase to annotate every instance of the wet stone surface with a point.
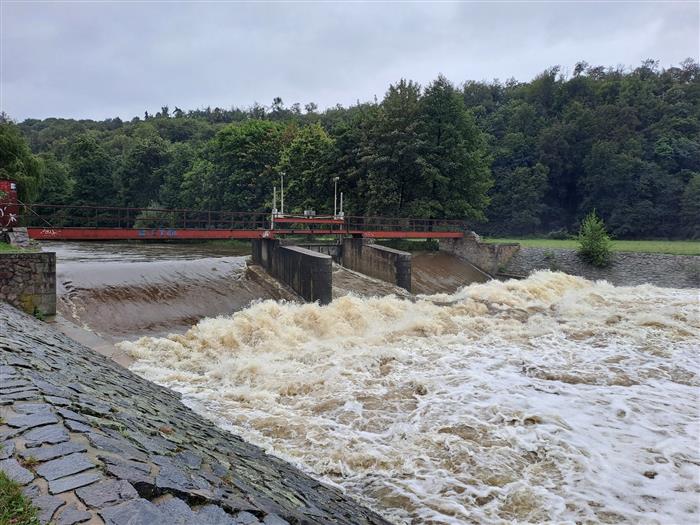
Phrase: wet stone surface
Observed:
(92, 442)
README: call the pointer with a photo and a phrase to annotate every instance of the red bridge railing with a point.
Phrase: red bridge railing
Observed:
(59, 216)
(52, 217)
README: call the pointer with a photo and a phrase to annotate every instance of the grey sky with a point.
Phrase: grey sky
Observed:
(106, 59)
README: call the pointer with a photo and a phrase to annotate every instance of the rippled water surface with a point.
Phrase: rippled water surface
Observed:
(552, 399)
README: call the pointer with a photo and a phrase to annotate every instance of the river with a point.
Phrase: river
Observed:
(551, 399)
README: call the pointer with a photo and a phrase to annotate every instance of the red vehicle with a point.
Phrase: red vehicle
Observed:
(9, 208)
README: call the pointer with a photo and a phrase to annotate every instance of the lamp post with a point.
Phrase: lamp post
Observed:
(282, 193)
(335, 196)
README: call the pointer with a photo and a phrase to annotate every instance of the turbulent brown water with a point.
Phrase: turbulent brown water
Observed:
(120, 290)
(126, 290)
(552, 399)
(439, 272)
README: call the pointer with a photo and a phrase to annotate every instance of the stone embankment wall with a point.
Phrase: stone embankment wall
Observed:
(627, 269)
(28, 281)
(307, 272)
(91, 441)
(380, 262)
(488, 257)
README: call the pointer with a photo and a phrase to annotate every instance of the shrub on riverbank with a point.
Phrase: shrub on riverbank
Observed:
(594, 241)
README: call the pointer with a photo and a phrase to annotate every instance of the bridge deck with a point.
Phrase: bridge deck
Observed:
(117, 234)
(54, 222)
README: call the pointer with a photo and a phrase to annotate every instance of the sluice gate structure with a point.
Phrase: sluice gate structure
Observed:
(278, 239)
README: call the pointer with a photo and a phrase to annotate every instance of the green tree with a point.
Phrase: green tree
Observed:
(395, 177)
(181, 160)
(141, 171)
(200, 189)
(456, 171)
(57, 186)
(306, 162)
(517, 199)
(594, 242)
(241, 166)
(91, 169)
(690, 208)
(18, 163)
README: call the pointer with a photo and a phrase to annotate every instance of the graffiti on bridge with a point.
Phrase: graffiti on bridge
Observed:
(158, 233)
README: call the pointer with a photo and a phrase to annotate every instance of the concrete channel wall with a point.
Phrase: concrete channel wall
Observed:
(28, 281)
(491, 258)
(380, 262)
(307, 272)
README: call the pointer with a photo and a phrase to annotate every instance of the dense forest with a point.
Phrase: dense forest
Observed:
(516, 158)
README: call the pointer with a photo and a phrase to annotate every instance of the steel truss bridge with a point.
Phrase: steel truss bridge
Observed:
(83, 223)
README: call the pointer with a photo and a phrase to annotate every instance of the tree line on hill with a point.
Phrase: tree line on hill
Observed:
(514, 158)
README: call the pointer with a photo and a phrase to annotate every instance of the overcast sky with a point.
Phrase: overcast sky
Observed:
(107, 59)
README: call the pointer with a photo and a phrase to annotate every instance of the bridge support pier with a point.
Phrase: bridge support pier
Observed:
(307, 272)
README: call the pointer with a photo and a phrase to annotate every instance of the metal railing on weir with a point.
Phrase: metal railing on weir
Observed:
(68, 216)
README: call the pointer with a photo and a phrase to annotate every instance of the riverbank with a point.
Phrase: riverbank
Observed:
(668, 247)
(90, 440)
(626, 268)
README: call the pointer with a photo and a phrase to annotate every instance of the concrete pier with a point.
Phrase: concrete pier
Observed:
(380, 262)
(307, 272)
(307, 269)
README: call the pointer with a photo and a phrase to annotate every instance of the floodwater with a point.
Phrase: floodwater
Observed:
(551, 399)
(440, 272)
(126, 290)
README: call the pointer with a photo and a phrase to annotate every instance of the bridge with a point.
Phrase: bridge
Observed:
(102, 223)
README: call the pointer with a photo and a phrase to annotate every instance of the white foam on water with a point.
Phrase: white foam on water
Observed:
(551, 399)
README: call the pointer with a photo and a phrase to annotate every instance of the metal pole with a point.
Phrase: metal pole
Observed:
(341, 202)
(274, 207)
(335, 197)
(282, 193)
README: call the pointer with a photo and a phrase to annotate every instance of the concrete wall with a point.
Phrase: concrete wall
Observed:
(28, 281)
(380, 262)
(334, 250)
(627, 269)
(307, 272)
(262, 249)
(488, 257)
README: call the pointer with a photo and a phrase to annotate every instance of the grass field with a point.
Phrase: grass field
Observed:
(6, 248)
(15, 508)
(672, 247)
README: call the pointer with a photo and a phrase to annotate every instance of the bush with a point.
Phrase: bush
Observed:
(594, 242)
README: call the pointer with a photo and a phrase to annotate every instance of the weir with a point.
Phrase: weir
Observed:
(307, 269)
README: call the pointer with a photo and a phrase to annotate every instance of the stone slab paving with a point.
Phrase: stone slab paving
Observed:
(92, 442)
